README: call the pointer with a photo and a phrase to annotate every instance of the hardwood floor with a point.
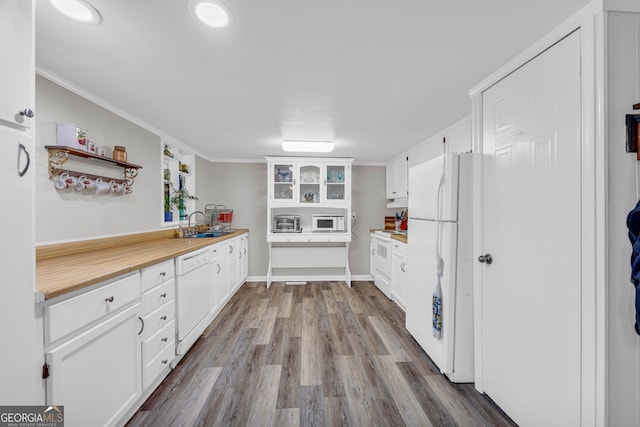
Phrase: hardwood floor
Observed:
(318, 354)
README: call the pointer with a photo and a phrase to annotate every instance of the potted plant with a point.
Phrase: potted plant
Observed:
(175, 198)
(168, 208)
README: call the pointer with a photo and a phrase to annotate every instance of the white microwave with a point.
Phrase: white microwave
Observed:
(327, 222)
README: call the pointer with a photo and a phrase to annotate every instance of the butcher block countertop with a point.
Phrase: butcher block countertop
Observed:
(400, 237)
(68, 267)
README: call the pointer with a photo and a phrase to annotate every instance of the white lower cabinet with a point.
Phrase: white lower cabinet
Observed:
(372, 255)
(233, 255)
(159, 326)
(229, 263)
(106, 349)
(243, 263)
(218, 288)
(399, 277)
(96, 374)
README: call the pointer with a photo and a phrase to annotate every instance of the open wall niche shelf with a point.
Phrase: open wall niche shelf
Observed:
(58, 156)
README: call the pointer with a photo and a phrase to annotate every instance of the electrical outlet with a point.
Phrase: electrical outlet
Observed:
(353, 216)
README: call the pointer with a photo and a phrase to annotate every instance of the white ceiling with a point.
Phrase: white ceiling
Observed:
(375, 76)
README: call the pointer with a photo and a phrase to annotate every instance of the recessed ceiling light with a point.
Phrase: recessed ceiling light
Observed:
(308, 146)
(213, 14)
(78, 10)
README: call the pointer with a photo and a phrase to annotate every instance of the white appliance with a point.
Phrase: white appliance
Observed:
(440, 221)
(327, 222)
(382, 261)
(193, 296)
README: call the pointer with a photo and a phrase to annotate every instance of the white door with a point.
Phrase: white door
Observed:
(531, 228)
(422, 283)
(96, 375)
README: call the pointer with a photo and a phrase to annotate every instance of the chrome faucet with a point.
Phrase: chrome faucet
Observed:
(189, 223)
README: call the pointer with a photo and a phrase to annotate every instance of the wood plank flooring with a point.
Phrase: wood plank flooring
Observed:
(318, 354)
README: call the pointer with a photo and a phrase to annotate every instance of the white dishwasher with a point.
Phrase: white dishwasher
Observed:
(193, 296)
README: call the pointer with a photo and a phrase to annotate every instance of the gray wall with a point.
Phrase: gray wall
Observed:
(243, 188)
(72, 215)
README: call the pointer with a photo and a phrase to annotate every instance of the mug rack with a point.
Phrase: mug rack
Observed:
(58, 156)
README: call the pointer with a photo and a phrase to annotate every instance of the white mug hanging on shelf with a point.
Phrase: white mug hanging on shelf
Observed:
(65, 180)
(101, 187)
(84, 183)
(116, 188)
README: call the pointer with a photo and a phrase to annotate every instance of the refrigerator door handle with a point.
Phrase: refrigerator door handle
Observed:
(438, 216)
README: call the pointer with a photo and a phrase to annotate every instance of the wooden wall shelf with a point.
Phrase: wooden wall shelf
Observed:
(58, 156)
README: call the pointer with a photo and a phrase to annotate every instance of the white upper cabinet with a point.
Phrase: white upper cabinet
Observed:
(309, 181)
(16, 81)
(397, 178)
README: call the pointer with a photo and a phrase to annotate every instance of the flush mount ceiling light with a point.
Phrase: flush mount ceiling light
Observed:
(211, 13)
(308, 146)
(78, 10)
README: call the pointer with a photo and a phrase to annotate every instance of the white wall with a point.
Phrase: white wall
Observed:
(623, 192)
(71, 215)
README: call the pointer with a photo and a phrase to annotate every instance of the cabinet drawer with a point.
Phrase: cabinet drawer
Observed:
(67, 316)
(399, 247)
(156, 274)
(158, 319)
(159, 364)
(158, 341)
(158, 296)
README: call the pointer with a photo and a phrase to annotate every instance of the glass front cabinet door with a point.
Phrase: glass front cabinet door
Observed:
(336, 183)
(283, 181)
(310, 188)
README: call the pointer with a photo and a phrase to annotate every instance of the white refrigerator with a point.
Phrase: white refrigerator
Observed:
(440, 228)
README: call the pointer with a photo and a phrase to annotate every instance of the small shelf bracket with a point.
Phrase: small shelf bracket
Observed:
(57, 158)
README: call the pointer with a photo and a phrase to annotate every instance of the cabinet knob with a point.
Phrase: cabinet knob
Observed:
(27, 112)
(110, 299)
(163, 295)
(163, 317)
(165, 361)
(165, 339)
(487, 258)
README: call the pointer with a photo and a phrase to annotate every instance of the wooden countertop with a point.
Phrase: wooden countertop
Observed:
(401, 237)
(56, 276)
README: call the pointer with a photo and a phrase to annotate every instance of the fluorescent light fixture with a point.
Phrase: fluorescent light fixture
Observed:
(213, 14)
(308, 146)
(78, 10)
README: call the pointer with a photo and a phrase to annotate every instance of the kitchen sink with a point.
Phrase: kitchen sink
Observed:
(211, 234)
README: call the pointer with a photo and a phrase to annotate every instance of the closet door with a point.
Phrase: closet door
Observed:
(531, 228)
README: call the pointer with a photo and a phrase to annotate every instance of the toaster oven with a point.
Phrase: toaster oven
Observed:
(287, 224)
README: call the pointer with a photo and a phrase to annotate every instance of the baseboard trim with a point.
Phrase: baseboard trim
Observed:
(310, 278)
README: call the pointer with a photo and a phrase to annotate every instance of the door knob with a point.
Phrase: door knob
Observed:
(27, 112)
(485, 258)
